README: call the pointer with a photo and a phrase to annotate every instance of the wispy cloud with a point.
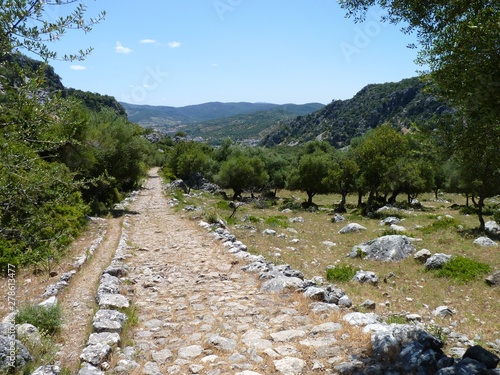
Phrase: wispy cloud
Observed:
(77, 67)
(147, 41)
(174, 44)
(120, 48)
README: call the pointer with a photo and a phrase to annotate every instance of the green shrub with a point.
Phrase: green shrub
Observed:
(439, 225)
(463, 269)
(496, 216)
(291, 204)
(343, 273)
(396, 319)
(46, 318)
(254, 219)
(390, 232)
(222, 205)
(277, 221)
(211, 217)
(467, 210)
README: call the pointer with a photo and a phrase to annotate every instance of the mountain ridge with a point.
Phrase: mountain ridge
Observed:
(400, 103)
(168, 116)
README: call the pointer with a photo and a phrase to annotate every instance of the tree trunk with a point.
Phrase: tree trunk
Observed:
(360, 199)
(341, 207)
(370, 198)
(480, 206)
(310, 198)
(473, 200)
(393, 197)
(236, 195)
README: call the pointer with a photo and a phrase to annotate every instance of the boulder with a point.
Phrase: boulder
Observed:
(482, 355)
(88, 369)
(281, 283)
(108, 321)
(485, 242)
(368, 277)
(360, 319)
(290, 366)
(422, 255)
(467, 366)
(337, 218)
(443, 311)
(47, 370)
(389, 221)
(96, 354)
(28, 333)
(352, 228)
(492, 226)
(437, 261)
(386, 249)
(22, 355)
(178, 184)
(109, 301)
(415, 357)
(494, 279)
(269, 232)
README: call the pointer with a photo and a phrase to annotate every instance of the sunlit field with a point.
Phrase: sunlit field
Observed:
(404, 287)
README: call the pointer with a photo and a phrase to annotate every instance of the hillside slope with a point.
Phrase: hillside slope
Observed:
(400, 103)
(171, 119)
(249, 126)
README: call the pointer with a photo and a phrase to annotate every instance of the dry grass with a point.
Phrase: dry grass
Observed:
(410, 290)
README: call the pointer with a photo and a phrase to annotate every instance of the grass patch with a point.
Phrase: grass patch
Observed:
(342, 273)
(396, 319)
(132, 320)
(253, 219)
(211, 216)
(44, 351)
(47, 319)
(440, 225)
(42, 346)
(280, 221)
(463, 269)
(222, 205)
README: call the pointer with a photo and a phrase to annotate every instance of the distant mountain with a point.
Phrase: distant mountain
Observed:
(401, 103)
(209, 115)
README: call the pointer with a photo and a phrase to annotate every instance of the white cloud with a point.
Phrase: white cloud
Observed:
(174, 44)
(77, 67)
(147, 41)
(120, 48)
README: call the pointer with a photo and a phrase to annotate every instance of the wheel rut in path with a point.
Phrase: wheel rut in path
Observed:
(198, 313)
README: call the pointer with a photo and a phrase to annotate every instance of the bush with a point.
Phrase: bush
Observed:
(442, 224)
(343, 273)
(254, 219)
(46, 318)
(463, 269)
(291, 204)
(277, 221)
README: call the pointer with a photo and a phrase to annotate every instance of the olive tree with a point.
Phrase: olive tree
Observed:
(240, 173)
(310, 175)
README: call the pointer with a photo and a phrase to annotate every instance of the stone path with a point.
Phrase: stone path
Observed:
(198, 313)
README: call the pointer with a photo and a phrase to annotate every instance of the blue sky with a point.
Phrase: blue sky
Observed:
(182, 52)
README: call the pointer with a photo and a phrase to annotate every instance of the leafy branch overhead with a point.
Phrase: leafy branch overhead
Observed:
(28, 25)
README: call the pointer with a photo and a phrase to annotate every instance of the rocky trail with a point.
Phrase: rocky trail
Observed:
(176, 298)
(199, 313)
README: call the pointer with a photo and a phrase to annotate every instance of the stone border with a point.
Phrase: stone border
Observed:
(108, 321)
